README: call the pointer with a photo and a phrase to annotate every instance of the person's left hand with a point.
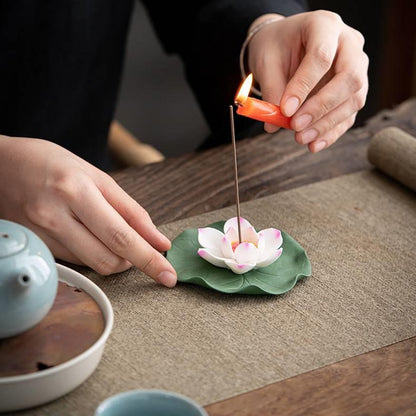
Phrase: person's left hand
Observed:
(314, 66)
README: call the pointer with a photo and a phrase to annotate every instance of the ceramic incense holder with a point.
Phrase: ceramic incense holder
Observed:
(265, 262)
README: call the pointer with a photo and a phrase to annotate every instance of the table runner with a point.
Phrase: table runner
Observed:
(359, 232)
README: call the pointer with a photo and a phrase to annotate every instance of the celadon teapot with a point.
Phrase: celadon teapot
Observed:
(28, 279)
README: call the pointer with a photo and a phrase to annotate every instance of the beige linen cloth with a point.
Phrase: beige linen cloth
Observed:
(359, 232)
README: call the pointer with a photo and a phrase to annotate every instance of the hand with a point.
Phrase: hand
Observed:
(78, 211)
(313, 64)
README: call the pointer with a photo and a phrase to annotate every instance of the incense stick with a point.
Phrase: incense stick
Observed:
(237, 193)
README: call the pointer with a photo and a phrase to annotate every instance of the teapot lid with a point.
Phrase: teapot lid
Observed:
(12, 238)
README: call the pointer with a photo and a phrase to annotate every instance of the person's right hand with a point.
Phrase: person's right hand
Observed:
(79, 211)
(314, 66)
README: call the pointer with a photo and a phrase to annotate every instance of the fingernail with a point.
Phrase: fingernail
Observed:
(319, 146)
(270, 128)
(309, 135)
(302, 122)
(291, 106)
(167, 279)
(165, 239)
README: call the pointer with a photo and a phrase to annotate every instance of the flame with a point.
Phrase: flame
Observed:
(244, 90)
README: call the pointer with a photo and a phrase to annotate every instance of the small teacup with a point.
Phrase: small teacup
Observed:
(149, 403)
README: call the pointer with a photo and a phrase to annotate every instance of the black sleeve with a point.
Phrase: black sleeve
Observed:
(208, 36)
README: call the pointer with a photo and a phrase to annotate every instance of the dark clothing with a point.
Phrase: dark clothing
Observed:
(61, 62)
(60, 66)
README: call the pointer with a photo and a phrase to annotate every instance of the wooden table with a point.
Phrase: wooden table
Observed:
(381, 382)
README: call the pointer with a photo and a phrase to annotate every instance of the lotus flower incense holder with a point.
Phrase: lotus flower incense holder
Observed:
(256, 250)
(265, 262)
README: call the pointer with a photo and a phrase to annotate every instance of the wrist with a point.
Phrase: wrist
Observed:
(257, 25)
(261, 19)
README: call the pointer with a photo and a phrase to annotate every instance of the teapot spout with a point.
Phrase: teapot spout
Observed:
(24, 281)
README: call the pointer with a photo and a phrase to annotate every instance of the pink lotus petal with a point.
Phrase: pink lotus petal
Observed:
(250, 235)
(226, 248)
(210, 257)
(210, 238)
(246, 253)
(270, 239)
(232, 222)
(232, 235)
(271, 258)
(239, 268)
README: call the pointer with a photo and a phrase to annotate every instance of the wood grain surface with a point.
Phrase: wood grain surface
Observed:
(379, 383)
(200, 182)
(73, 324)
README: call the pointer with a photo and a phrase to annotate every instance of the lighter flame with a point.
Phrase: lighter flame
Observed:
(244, 90)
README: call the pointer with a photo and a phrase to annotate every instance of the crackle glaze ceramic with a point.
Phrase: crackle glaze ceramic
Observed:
(28, 279)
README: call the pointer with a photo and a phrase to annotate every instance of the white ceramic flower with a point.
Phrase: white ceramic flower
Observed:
(224, 250)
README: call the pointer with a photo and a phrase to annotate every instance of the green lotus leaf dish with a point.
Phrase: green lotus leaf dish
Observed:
(276, 278)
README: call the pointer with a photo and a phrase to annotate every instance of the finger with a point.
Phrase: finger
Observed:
(332, 119)
(331, 136)
(351, 78)
(272, 83)
(61, 252)
(133, 213)
(60, 225)
(320, 50)
(90, 250)
(56, 248)
(114, 232)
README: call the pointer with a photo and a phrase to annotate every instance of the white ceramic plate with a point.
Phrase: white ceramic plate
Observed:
(28, 390)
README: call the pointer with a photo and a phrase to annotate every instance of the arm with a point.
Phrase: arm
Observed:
(209, 43)
(79, 211)
(312, 64)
